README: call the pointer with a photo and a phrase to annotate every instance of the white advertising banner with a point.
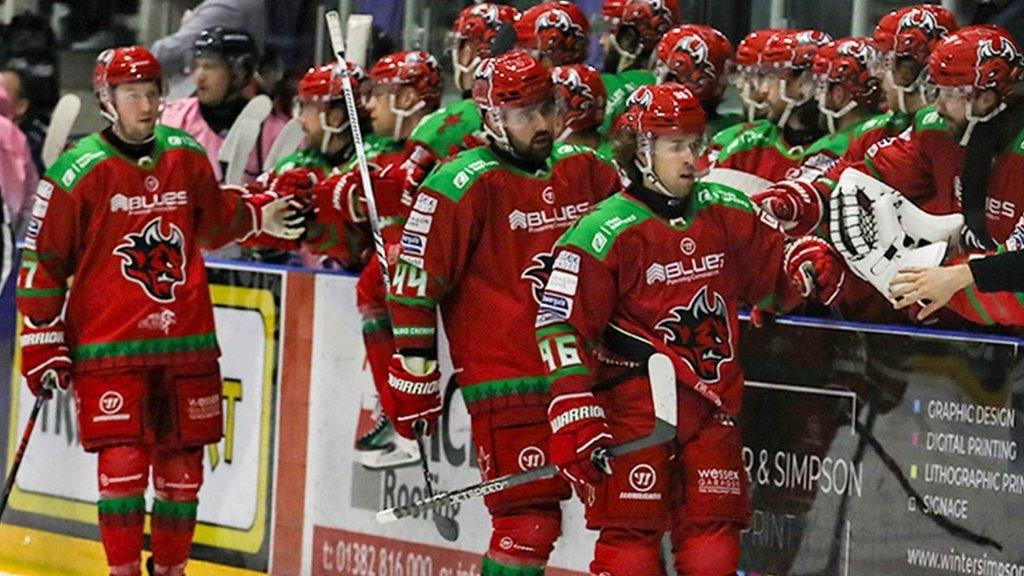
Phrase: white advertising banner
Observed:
(342, 536)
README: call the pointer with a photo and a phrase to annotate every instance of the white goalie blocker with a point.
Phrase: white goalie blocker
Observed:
(879, 231)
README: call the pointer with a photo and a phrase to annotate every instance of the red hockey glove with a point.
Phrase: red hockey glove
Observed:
(45, 360)
(578, 430)
(419, 161)
(279, 217)
(298, 182)
(815, 268)
(339, 199)
(410, 397)
(794, 203)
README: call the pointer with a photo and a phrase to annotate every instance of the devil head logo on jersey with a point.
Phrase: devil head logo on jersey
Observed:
(154, 260)
(701, 334)
(539, 273)
(998, 61)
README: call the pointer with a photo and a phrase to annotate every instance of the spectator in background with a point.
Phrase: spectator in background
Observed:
(173, 51)
(18, 176)
(223, 64)
(26, 111)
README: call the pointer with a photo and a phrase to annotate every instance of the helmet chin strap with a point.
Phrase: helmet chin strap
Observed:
(566, 132)
(791, 103)
(646, 167)
(973, 120)
(500, 136)
(752, 105)
(401, 115)
(329, 131)
(626, 58)
(902, 91)
(460, 69)
(832, 115)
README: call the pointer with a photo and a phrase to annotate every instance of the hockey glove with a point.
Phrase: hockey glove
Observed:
(794, 203)
(296, 182)
(419, 161)
(578, 430)
(815, 268)
(284, 218)
(45, 360)
(412, 394)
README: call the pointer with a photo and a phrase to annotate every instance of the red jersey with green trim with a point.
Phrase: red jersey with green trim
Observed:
(756, 157)
(477, 245)
(680, 281)
(130, 235)
(821, 156)
(992, 308)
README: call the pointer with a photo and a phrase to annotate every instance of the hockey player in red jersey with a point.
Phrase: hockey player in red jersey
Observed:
(663, 266)
(125, 213)
(700, 58)
(749, 75)
(404, 87)
(555, 33)
(477, 247)
(753, 157)
(581, 108)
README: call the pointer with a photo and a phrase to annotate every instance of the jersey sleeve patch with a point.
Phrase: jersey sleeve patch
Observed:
(76, 163)
(453, 179)
(596, 232)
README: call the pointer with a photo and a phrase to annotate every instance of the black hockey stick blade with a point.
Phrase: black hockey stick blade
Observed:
(447, 527)
(663, 392)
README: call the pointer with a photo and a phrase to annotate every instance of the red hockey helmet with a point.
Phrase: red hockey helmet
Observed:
(793, 49)
(512, 80)
(919, 29)
(748, 51)
(650, 19)
(116, 66)
(696, 56)
(662, 110)
(977, 57)
(323, 84)
(414, 68)
(884, 36)
(850, 63)
(557, 30)
(582, 95)
(478, 26)
(611, 11)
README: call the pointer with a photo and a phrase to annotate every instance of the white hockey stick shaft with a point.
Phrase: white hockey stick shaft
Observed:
(338, 45)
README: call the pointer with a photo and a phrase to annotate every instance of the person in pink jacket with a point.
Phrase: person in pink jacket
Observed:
(18, 176)
(223, 63)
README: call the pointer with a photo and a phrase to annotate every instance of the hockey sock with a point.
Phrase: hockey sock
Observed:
(711, 549)
(494, 568)
(624, 551)
(380, 346)
(177, 476)
(123, 474)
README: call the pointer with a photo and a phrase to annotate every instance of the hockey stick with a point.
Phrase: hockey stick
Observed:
(287, 141)
(241, 139)
(338, 45)
(61, 122)
(663, 392)
(20, 455)
(447, 527)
